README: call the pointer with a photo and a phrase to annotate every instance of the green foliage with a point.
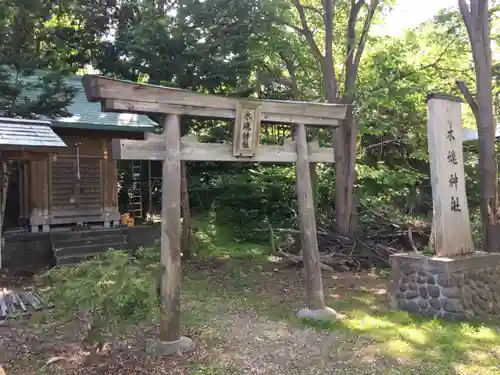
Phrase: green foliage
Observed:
(204, 45)
(197, 47)
(212, 239)
(107, 294)
(476, 227)
(42, 41)
(28, 94)
(148, 255)
(250, 200)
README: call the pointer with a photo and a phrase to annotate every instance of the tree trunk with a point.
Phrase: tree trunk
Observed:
(345, 175)
(344, 148)
(344, 137)
(487, 158)
(476, 20)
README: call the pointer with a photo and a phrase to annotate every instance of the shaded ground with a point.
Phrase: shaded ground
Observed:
(241, 314)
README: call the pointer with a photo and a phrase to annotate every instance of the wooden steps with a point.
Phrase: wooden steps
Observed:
(74, 247)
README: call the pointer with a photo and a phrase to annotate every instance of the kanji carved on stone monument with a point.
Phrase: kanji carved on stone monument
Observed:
(451, 226)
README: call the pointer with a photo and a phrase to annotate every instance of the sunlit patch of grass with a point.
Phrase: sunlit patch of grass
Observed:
(461, 348)
(213, 240)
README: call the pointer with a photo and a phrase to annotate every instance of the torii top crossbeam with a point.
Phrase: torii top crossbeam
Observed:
(124, 96)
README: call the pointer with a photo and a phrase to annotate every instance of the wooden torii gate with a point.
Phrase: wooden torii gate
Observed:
(122, 96)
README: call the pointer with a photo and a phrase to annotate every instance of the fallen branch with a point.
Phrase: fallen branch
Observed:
(297, 259)
(410, 238)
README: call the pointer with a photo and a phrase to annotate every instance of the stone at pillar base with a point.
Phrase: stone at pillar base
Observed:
(453, 288)
(166, 348)
(323, 314)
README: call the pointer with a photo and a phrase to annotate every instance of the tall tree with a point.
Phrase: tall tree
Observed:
(477, 22)
(41, 42)
(339, 79)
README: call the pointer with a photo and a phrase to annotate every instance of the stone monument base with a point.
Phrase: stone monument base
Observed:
(453, 288)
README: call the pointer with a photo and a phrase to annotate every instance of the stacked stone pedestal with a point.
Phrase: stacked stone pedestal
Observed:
(451, 288)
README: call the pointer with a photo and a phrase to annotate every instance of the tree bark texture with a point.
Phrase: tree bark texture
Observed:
(476, 19)
(343, 138)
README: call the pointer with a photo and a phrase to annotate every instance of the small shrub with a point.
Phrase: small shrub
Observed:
(108, 295)
(477, 228)
(148, 255)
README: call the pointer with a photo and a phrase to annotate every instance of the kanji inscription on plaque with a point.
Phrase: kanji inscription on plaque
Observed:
(246, 129)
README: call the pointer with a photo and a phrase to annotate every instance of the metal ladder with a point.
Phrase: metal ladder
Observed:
(135, 192)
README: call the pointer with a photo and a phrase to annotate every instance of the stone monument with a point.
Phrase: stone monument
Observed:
(458, 282)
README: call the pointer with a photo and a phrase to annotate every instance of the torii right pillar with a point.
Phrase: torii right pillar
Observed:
(457, 282)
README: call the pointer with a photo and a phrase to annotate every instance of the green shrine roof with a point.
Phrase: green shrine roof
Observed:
(17, 134)
(88, 115)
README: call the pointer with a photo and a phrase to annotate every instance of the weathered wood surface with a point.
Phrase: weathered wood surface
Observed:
(452, 230)
(66, 193)
(88, 146)
(55, 194)
(186, 213)
(246, 130)
(123, 96)
(39, 202)
(171, 231)
(154, 149)
(307, 220)
(3, 204)
(27, 155)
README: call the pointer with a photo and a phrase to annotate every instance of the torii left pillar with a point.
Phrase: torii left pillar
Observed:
(171, 340)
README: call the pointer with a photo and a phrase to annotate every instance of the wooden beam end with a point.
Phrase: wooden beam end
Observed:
(110, 105)
(91, 87)
(115, 147)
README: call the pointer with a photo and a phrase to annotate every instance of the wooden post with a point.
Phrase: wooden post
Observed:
(186, 213)
(451, 232)
(171, 232)
(5, 189)
(315, 299)
(150, 193)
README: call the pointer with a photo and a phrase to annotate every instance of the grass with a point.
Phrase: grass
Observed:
(215, 241)
(412, 343)
(448, 348)
(240, 307)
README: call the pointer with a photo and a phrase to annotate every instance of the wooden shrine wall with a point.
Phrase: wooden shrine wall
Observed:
(54, 195)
